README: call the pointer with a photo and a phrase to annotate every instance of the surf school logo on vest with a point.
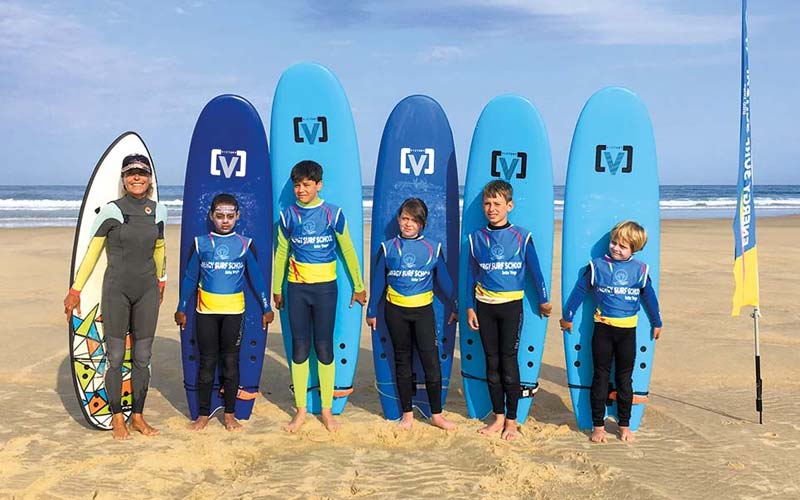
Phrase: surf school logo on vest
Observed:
(409, 260)
(498, 251)
(620, 277)
(310, 130)
(421, 161)
(506, 165)
(228, 163)
(309, 227)
(221, 252)
(611, 158)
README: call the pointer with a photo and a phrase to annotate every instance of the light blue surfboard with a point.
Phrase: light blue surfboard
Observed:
(311, 120)
(228, 154)
(416, 159)
(612, 176)
(509, 143)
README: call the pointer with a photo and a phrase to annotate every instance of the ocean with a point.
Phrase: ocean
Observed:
(47, 206)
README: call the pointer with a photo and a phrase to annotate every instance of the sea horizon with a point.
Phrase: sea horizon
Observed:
(57, 205)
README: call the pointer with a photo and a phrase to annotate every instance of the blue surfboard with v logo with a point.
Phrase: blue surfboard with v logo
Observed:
(509, 143)
(311, 120)
(416, 159)
(228, 154)
(612, 176)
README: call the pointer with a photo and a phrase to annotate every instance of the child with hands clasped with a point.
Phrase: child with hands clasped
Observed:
(217, 265)
(500, 255)
(403, 273)
(618, 284)
(308, 234)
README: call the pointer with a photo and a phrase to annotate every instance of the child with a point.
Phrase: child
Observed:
(618, 282)
(500, 253)
(216, 269)
(408, 263)
(308, 234)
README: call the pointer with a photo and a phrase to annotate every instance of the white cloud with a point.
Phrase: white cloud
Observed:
(634, 22)
(180, 10)
(443, 53)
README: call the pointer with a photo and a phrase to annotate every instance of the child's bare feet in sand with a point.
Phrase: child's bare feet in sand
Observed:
(327, 419)
(230, 423)
(139, 425)
(118, 429)
(625, 434)
(510, 431)
(406, 421)
(598, 435)
(438, 420)
(297, 421)
(199, 424)
(496, 426)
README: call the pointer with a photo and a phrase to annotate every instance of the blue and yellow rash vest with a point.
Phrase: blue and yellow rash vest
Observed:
(499, 257)
(307, 239)
(132, 232)
(216, 270)
(405, 269)
(618, 288)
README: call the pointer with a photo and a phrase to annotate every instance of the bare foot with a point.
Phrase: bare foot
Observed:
(231, 424)
(330, 423)
(438, 420)
(496, 426)
(297, 421)
(625, 434)
(118, 429)
(406, 421)
(199, 424)
(139, 425)
(599, 435)
(510, 431)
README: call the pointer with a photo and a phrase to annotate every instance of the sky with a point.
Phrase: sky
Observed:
(76, 74)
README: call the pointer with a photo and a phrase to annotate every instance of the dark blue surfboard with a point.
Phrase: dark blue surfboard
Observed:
(612, 176)
(510, 143)
(228, 154)
(416, 158)
(311, 120)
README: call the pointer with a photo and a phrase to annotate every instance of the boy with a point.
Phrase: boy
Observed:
(308, 234)
(216, 269)
(618, 283)
(500, 253)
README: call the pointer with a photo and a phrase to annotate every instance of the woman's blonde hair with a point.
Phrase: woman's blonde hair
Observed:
(630, 232)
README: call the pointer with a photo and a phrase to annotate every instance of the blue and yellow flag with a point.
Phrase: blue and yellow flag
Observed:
(745, 267)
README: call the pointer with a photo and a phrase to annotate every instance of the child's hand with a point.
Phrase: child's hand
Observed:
(266, 319)
(545, 309)
(565, 325)
(656, 332)
(277, 301)
(453, 318)
(180, 319)
(472, 319)
(373, 323)
(360, 297)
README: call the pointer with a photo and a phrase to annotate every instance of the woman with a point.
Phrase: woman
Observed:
(132, 231)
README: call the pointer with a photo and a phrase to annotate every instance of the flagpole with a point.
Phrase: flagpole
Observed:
(759, 403)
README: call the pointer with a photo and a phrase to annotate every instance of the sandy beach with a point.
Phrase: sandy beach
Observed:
(700, 437)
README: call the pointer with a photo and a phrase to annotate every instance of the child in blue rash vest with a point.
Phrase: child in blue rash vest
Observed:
(308, 234)
(216, 269)
(618, 283)
(500, 254)
(403, 272)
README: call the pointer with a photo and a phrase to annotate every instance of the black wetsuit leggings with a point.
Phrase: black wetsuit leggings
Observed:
(218, 334)
(612, 343)
(129, 305)
(410, 327)
(312, 308)
(500, 326)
